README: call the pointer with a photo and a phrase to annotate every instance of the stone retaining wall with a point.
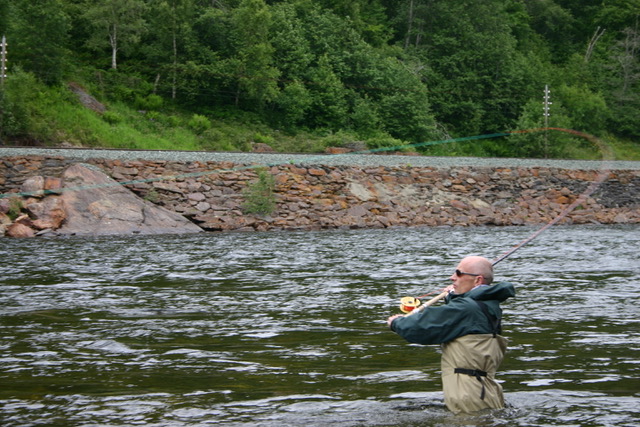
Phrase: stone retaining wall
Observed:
(212, 194)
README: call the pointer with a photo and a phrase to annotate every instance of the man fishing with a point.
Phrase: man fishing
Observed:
(468, 327)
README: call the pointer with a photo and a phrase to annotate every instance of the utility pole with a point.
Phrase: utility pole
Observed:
(3, 61)
(3, 75)
(546, 103)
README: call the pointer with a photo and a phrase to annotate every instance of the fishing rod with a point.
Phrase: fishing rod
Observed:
(412, 305)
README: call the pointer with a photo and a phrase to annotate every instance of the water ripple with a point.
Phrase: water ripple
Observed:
(288, 328)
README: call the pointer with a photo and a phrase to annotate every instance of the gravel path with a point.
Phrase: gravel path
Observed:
(361, 160)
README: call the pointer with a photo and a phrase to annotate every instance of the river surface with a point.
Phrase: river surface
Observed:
(288, 328)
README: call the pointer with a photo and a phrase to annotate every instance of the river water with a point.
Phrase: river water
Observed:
(288, 329)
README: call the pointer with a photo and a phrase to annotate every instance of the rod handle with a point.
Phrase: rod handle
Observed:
(428, 303)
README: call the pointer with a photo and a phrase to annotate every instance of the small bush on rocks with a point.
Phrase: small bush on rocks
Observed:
(259, 197)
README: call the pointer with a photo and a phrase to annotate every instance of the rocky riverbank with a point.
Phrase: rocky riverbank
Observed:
(213, 194)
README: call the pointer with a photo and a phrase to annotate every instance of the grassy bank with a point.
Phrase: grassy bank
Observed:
(34, 114)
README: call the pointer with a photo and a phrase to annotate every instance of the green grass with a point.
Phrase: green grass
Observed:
(52, 116)
(624, 149)
(123, 127)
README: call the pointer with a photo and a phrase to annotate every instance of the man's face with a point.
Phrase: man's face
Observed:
(464, 278)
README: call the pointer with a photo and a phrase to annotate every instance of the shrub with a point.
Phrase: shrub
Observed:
(150, 102)
(152, 196)
(199, 123)
(262, 139)
(259, 196)
(15, 208)
(112, 117)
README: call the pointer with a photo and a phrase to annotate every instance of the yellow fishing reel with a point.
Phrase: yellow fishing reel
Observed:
(408, 304)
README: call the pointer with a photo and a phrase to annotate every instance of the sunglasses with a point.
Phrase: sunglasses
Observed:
(461, 273)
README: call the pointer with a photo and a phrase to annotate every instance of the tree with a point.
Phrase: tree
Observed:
(478, 80)
(329, 107)
(257, 77)
(366, 17)
(404, 106)
(170, 31)
(116, 23)
(4, 17)
(624, 83)
(531, 143)
(292, 104)
(42, 48)
(574, 107)
(292, 49)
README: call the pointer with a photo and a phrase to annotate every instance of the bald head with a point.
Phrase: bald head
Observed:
(478, 265)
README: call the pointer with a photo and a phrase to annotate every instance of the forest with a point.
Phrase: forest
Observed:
(303, 75)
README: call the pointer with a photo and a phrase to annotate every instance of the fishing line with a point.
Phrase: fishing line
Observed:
(312, 159)
(607, 158)
(604, 173)
(412, 305)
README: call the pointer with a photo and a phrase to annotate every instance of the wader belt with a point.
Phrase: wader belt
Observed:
(474, 373)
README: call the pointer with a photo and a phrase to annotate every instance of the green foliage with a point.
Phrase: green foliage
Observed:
(4, 16)
(257, 77)
(293, 103)
(112, 117)
(199, 123)
(216, 140)
(263, 139)
(588, 111)
(540, 144)
(259, 196)
(152, 196)
(15, 208)
(38, 36)
(365, 118)
(623, 149)
(384, 143)
(117, 24)
(150, 102)
(322, 73)
(18, 104)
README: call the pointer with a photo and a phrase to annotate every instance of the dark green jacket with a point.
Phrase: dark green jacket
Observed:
(459, 316)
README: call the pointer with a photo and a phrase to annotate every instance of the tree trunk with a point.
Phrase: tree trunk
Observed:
(175, 67)
(409, 25)
(113, 38)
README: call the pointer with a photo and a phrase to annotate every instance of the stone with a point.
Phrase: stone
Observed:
(337, 150)
(52, 183)
(125, 170)
(85, 99)
(33, 185)
(4, 219)
(4, 206)
(260, 147)
(357, 211)
(203, 206)
(459, 204)
(18, 230)
(360, 191)
(167, 186)
(317, 172)
(97, 205)
(49, 213)
(480, 204)
(196, 197)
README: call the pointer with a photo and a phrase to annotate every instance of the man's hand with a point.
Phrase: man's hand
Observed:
(392, 318)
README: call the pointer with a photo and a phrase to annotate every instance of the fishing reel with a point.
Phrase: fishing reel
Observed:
(408, 304)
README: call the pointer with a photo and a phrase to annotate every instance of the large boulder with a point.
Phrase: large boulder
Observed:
(97, 205)
(48, 213)
(19, 230)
